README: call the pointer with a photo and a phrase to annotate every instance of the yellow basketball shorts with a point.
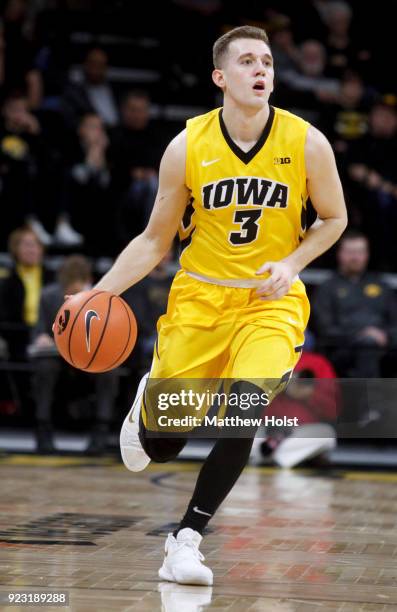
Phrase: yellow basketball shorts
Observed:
(215, 332)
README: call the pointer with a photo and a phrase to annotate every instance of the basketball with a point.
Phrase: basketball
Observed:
(95, 331)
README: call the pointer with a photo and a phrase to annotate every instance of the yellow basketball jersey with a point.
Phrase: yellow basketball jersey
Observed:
(246, 208)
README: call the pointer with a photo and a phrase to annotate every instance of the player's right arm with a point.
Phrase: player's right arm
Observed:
(145, 251)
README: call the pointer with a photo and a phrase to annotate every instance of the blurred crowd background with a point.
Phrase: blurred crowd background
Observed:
(90, 94)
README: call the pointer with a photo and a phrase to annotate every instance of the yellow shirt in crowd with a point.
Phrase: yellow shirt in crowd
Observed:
(31, 277)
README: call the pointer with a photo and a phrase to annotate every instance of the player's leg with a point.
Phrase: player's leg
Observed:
(255, 351)
(137, 449)
(183, 561)
(216, 479)
(259, 355)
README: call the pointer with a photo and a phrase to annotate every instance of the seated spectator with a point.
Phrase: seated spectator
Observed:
(136, 149)
(19, 152)
(73, 276)
(372, 169)
(93, 94)
(20, 291)
(343, 51)
(17, 67)
(313, 397)
(23, 149)
(347, 119)
(355, 313)
(309, 85)
(86, 193)
(285, 51)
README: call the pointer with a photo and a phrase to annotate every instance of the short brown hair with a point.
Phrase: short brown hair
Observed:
(221, 45)
(74, 268)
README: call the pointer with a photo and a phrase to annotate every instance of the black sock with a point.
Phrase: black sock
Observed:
(217, 477)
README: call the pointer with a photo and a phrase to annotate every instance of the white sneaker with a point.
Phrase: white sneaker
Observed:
(132, 453)
(65, 234)
(182, 560)
(38, 228)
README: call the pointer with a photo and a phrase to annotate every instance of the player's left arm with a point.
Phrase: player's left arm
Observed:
(326, 194)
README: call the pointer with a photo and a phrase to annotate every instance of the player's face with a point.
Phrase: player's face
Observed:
(247, 74)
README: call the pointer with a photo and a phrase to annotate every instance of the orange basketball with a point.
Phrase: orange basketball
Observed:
(95, 331)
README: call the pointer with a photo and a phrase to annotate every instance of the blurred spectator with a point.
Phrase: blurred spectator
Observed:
(347, 119)
(309, 85)
(372, 167)
(17, 68)
(25, 154)
(93, 94)
(20, 291)
(136, 149)
(343, 51)
(20, 145)
(355, 313)
(284, 50)
(86, 193)
(313, 397)
(74, 275)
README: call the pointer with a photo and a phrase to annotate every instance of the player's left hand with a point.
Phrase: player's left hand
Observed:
(279, 282)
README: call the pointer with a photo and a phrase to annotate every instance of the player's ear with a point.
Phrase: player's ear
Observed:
(218, 78)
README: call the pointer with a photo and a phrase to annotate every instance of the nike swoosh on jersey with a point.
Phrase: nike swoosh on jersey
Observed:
(205, 163)
(89, 315)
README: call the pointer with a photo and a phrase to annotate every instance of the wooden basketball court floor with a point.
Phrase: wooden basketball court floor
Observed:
(283, 540)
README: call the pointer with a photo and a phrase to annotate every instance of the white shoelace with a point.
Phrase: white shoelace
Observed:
(199, 555)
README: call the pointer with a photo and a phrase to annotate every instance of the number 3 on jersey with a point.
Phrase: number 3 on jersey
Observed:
(248, 220)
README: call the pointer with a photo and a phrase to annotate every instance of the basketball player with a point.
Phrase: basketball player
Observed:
(235, 182)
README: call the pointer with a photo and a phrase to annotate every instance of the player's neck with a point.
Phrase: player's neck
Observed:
(244, 126)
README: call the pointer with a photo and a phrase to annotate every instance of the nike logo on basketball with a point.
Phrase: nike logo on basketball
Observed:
(63, 321)
(195, 509)
(205, 163)
(89, 315)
